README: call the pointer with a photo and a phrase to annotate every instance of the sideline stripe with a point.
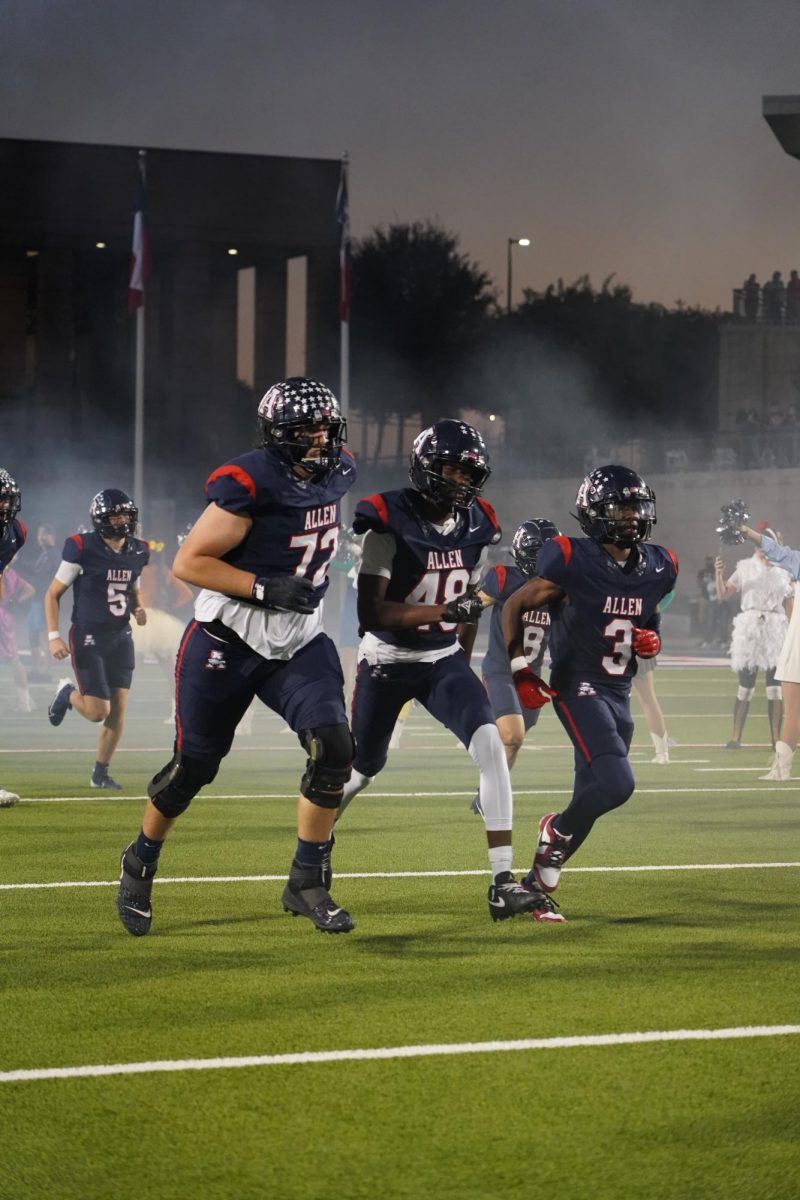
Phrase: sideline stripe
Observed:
(91, 883)
(384, 1052)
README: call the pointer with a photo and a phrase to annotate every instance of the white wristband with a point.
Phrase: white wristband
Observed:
(51, 637)
(518, 664)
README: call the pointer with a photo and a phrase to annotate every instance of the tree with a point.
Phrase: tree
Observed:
(418, 305)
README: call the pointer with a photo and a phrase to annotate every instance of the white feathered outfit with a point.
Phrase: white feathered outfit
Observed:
(760, 628)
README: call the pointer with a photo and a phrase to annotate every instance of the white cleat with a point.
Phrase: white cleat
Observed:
(8, 799)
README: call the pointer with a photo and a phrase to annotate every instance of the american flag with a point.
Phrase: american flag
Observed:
(345, 258)
(140, 247)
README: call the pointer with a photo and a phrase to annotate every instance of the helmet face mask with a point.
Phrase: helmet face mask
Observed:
(442, 452)
(528, 541)
(10, 501)
(292, 414)
(113, 513)
(616, 506)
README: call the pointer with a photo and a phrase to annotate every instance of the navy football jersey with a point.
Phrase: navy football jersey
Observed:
(295, 528)
(500, 582)
(592, 626)
(12, 540)
(103, 592)
(429, 567)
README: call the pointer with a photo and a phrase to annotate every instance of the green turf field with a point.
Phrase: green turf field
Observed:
(692, 944)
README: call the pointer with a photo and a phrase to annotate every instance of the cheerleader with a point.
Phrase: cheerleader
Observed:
(758, 634)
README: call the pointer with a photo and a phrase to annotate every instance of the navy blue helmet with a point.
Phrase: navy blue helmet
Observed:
(290, 412)
(449, 442)
(602, 499)
(528, 541)
(112, 502)
(10, 501)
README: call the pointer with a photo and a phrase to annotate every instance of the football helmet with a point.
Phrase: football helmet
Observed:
(449, 442)
(602, 499)
(528, 541)
(10, 501)
(112, 502)
(294, 409)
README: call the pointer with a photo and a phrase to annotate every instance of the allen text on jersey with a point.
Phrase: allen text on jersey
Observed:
(623, 606)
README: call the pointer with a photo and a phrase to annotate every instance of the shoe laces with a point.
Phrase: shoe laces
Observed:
(543, 900)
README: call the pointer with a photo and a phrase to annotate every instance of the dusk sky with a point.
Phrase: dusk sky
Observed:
(621, 136)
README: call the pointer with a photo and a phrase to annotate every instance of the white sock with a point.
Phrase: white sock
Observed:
(661, 743)
(355, 784)
(500, 859)
(487, 751)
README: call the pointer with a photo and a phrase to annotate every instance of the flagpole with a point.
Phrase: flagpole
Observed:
(343, 218)
(138, 412)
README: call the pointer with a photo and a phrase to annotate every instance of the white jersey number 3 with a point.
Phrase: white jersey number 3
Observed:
(621, 633)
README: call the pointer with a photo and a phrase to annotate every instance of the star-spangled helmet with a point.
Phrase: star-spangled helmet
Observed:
(603, 496)
(449, 442)
(528, 541)
(10, 501)
(112, 502)
(293, 409)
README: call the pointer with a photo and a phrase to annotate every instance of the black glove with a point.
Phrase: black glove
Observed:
(464, 610)
(287, 593)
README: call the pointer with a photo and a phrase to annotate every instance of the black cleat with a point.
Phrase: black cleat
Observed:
(305, 895)
(507, 898)
(133, 897)
(60, 704)
(327, 866)
(105, 781)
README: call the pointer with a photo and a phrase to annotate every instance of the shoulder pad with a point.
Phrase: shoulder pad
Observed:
(22, 530)
(490, 514)
(565, 545)
(371, 513)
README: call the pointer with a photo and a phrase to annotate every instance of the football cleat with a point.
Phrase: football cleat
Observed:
(662, 758)
(133, 898)
(546, 908)
(732, 745)
(305, 895)
(327, 866)
(59, 705)
(552, 851)
(507, 898)
(105, 781)
(8, 799)
(476, 805)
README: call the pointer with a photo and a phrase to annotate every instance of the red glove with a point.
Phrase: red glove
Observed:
(533, 692)
(646, 643)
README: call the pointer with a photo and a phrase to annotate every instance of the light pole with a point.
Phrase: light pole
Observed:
(513, 242)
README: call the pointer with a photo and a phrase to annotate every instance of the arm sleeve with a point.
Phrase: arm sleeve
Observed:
(68, 572)
(378, 554)
(782, 556)
(477, 570)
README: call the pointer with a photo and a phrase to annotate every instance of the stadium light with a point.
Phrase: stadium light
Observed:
(523, 241)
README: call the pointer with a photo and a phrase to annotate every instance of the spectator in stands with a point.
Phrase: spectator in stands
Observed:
(751, 292)
(793, 299)
(774, 298)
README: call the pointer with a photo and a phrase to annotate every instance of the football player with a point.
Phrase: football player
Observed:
(423, 555)
(603, 592)
(514, 721)
(260, 552)
(12, 537)
(103, 568)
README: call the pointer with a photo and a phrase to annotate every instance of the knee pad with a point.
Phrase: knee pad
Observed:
(175, 786)
(774, 692)
(330, 750)
(745, 693)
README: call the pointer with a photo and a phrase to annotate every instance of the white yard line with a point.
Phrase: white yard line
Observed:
(93, 883)
(307, 1057)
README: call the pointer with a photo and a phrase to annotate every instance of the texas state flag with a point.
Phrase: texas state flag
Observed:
(140, 249)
